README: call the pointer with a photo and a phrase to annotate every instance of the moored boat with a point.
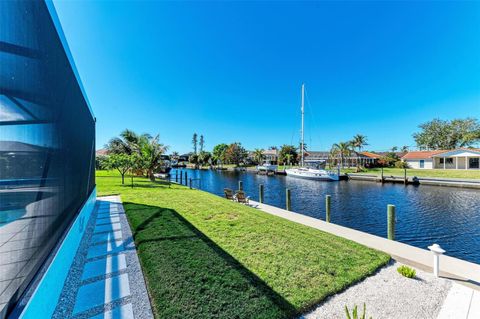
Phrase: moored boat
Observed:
(315, 173)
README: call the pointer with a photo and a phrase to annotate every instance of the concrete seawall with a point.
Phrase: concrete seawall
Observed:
(452, 182)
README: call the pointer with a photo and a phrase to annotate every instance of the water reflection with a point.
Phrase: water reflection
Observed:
(425, 214)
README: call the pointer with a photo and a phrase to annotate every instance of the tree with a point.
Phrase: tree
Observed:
(235, 153)
(194, 142)
(175, 156)
(101, 162)
(147, 149)
(204, 157)
(286, 150)
(404, 149)
(202, 143)
(359, 141)
(122, 163)
(193, 159)
(258, 156)
(288, 158)
(341, 150)
(218, 154)
(439, 134)
(151, 151)
(127, 143)
(394, 149)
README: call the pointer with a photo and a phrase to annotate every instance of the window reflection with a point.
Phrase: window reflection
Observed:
(47, 145)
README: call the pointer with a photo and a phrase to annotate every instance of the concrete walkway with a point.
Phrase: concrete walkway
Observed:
(105, 279)
(461, 303)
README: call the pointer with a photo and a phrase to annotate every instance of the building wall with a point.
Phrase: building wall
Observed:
(47, 143)
(415, 163)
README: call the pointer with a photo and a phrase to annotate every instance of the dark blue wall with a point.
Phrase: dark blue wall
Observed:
(47, 143)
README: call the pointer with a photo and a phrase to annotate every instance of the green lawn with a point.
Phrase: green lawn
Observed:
(204, 256)
(471, 174)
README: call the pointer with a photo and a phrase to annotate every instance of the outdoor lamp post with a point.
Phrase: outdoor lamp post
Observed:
(437, 251)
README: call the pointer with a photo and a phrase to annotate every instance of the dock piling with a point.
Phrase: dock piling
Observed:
(260, 195)
(186, 179)
(391, 222)
(240, 185)
(288, 199)
(328, 204)
(190, 182)
(181, 177)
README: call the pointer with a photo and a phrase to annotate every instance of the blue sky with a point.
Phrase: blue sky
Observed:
(232, 71)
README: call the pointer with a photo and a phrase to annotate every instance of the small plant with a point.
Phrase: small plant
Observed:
(406, 271)
(355, 313)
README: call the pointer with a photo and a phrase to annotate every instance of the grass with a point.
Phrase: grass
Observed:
(468, 174)
(204, 256)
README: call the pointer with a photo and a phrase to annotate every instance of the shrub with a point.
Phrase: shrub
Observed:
(355, 313)
(406, 271)
(400, 164)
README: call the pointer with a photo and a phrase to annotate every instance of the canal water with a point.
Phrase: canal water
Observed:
(425, 214)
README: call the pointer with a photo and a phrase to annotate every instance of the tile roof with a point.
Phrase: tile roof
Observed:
(422, 154)
(371, 155)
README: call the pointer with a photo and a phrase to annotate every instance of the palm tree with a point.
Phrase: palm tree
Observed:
(404, 149)
(151, 151)
(358, 142)
(127, 143)
(258, 155)
(342, 150)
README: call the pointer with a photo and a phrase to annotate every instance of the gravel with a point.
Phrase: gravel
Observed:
(387, 294)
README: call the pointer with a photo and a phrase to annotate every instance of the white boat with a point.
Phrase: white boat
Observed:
(309, 172)
(312, 173)
(266, 167)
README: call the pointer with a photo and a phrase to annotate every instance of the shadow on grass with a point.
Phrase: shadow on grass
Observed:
(189, 276)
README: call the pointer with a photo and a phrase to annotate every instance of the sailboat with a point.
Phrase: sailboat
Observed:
(309, 172)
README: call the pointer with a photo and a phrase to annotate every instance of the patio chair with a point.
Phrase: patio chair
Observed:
(228, 193)
(241, 198)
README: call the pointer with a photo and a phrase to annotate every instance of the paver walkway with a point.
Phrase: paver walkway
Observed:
(105, 279)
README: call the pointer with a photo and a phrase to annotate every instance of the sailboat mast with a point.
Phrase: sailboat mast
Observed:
(303, 131)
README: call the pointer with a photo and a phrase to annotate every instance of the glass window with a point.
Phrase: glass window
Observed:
(474, 162)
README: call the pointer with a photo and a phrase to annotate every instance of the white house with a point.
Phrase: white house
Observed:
(462, 158)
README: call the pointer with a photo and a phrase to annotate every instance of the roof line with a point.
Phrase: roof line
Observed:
(63, 40)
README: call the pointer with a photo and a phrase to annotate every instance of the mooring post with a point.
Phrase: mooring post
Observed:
(391, 221)
(328, 204)
(240, 185)
(260, 195)
(176, 176)
(186, 179)
(405, 180)
(181, 177)
(289, 202)
(190, 181)
(382, 176)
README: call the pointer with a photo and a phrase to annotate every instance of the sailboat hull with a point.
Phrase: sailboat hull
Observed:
(313, 174)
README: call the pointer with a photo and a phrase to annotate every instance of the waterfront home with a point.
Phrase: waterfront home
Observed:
(367, 159)
(461, 158)
(270, 156)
